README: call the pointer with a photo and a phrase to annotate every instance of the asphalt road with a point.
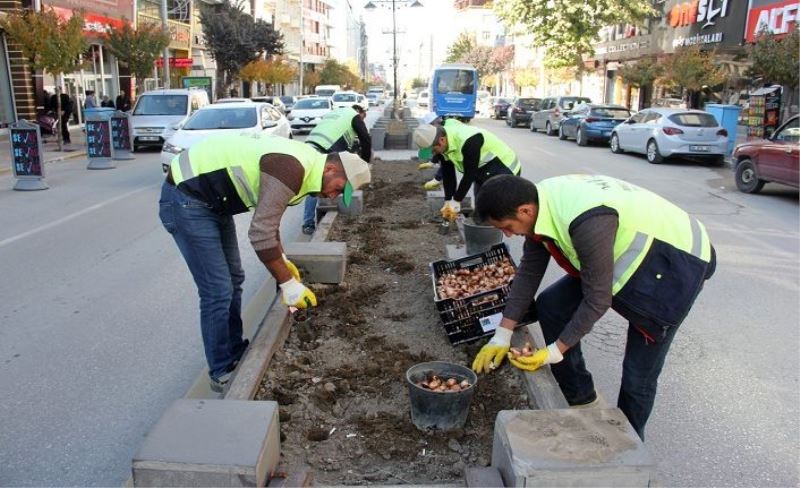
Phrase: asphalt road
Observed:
(727, 407)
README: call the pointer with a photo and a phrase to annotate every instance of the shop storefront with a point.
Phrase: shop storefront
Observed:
(621, 45)
(180, 51)
(775, 17)
(7, 110)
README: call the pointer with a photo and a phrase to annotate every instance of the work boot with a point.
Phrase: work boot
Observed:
(591, 402)
(308, 229)
(433, 184)
(219, 383)
(425, 165)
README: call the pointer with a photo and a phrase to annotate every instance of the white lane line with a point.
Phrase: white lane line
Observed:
(75, 215)
(545, 151)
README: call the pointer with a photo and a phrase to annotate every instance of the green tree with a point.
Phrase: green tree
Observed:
(49, 42)
(777, 60)
(692, 69)
(138, 48)
(419, 83)
(464, 44)
(526, 77)
(641, 73)
(235, 38)
(570, 28)
(334, 73)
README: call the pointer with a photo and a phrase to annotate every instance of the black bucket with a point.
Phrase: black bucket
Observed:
(480, 238)
(439, 411)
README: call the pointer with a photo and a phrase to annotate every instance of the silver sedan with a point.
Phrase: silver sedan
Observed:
(661, 133)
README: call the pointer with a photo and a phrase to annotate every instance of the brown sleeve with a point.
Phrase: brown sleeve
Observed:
(286, 169)
(527, 279)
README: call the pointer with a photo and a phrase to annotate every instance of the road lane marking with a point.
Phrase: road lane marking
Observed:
(72, 216)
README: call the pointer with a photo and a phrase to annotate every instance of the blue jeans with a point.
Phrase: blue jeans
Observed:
(641, 365)
(207, 241)
(310, 212)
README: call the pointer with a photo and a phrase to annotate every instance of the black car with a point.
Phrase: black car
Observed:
(519, 113)
(500, 107)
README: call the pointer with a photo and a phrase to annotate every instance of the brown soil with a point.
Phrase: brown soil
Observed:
(340, 377)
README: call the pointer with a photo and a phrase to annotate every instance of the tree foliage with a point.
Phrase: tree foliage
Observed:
(463, 45)
(310, 80)
(488, 61)
(642, 72)
(692, 69)
(570, 28)
(49, 42)
(776, 60)
(419, 83)
(275, 71)
(234, 39)
(336, 73)
(526, 77)
(138, 48)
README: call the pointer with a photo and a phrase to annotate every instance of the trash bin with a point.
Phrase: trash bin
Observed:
(728, 118)
(439, 411)
(104, 112)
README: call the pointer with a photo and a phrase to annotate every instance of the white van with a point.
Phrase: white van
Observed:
(326, 90)
(158, 113)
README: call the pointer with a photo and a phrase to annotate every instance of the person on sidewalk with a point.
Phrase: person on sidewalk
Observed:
(337, 131)
(123, 102)
(106, 102)
(66, 110)
(90, 101)
(225, 175)
(476, 153)
(622, 247)
(429, 160)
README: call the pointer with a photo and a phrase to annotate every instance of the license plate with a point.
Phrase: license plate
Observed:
(148, 138)
(699, 148)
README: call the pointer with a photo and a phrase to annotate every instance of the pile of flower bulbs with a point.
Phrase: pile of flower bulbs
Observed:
(442, 385)
(467, 282)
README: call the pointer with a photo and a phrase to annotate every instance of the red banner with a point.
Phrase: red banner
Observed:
(175, 62)
(777, 17)
(93, 24)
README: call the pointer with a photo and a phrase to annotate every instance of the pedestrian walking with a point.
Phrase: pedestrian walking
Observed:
(476, 153)
(66, 110)
(622, 247)
(337, 131)
(225, 175)
(123, 101)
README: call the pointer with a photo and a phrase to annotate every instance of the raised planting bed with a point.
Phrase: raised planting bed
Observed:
(340, 377)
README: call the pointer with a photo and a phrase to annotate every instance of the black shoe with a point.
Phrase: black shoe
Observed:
(219, 383)
(308, 230)
(240, 354)
(584, 402)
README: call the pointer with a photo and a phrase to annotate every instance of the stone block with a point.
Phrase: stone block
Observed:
(378, 136)
(318, 262)
(210, 443)
(356, 204)
(569, 447)
(435, 201)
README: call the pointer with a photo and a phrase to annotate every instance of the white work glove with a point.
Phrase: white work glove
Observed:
(295, 294)
(491, 355)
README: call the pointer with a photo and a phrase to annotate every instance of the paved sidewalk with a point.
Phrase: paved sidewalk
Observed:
(51, 153)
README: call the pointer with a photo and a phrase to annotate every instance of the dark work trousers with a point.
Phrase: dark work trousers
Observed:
(492, 168)
(65, 128)
(641, 365)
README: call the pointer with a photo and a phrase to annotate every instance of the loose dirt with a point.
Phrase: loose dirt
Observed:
(340, 377)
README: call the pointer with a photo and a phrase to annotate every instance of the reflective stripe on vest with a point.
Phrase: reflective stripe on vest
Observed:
(458, 132)
(332, 127)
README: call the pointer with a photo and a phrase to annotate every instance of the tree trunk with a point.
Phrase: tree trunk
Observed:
(60, 114)
(222, 83)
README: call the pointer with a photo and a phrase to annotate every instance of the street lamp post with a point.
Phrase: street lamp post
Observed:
(371, 6)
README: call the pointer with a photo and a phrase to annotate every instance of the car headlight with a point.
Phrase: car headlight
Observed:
(290, 117)
(170, 148)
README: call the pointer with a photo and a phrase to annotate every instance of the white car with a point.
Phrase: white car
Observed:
(230, 117)
(344, 99)
(661, 133)
(423, 100)
(307, 112)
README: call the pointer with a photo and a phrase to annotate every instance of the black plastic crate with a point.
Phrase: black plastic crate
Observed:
(463, 317)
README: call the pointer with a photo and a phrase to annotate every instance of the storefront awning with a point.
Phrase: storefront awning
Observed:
(766, 90)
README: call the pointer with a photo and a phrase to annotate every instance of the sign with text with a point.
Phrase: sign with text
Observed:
(26, 156)
(98, 139)
(775, 17)
(121, 131)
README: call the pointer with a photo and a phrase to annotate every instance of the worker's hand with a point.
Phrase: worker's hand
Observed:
(295, 294)
(547, 355)
(425, 165)
(491, 355)
(292, 268)
(432, 184)
(450, 210)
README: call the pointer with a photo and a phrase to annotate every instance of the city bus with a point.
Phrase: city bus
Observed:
(453, 91)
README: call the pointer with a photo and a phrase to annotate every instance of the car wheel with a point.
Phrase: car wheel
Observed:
(548, 129)
(135, 148)
(614, 144)
(561, 134)
(653, 156)
(580, 138)
(746, 178)
(532, 127)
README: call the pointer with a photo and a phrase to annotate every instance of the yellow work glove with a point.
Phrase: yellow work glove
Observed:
(425, 165)
(491, 355)
(547, 355)
(295, 294)
(292, 268)
(450, 210)
(432, 184)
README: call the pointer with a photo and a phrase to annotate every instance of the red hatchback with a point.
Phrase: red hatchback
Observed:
(773, 160)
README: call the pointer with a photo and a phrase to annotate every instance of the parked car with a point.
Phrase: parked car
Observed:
(158, 112)
(661, 133)
(344, 99)
(500, 107)
(275, 101)
(669, 103)
(772, 160)
(219, 118)
(519, 113)
(288, 102)
(551, 113)
(307, 113)
(592, 123)
(232, 100)
(372, 99)
(424, 99)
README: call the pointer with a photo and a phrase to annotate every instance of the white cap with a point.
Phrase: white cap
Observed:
(424, 136)
(429, 117)
(358, 174)
(360, 105)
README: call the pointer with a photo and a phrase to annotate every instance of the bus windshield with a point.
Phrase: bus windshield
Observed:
(456, 81)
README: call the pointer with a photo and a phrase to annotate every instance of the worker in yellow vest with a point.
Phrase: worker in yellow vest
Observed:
(622, 247)
(476, 153)
(225, 175)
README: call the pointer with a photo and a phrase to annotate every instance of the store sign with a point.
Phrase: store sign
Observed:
(770, 16)
(713, 38)
(623, 47)
(706, 12)
(180, 35)
(175, 62)
(93, 24)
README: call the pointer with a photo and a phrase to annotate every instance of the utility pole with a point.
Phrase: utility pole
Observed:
(165, 24)
(394, 54)
(302, 21)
